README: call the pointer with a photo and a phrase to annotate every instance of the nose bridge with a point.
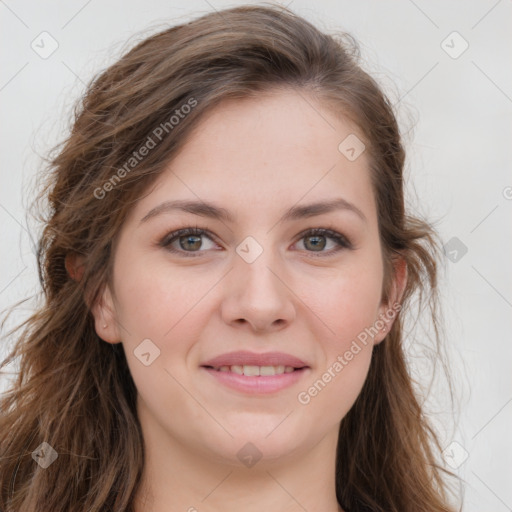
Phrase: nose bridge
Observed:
(256, 293)
(253, 267)
(258, 277)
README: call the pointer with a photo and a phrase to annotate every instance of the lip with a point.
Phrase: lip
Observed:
(256, 385)
(244, 357)
(263, 384)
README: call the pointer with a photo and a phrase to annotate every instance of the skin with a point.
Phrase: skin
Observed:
(255, 158)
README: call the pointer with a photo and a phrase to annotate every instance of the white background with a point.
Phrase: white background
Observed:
(459, 156)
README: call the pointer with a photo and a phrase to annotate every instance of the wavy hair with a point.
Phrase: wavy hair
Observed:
(75, 392)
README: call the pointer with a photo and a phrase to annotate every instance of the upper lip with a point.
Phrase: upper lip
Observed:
(246, 358)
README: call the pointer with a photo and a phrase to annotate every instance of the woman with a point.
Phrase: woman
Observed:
(226, 265)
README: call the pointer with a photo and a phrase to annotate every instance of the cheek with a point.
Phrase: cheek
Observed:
(348, 302)
(349, 308)
(155, 302)
(165, 308)
(333, 391)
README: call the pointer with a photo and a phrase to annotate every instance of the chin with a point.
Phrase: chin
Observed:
(260, 442)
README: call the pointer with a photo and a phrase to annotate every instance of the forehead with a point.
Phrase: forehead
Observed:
(275, 149)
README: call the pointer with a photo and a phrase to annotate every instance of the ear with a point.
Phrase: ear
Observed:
(103, 309)
(105, 317)
(74, 264)
(388, 310)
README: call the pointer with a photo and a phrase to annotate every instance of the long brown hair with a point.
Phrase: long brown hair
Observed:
(75, 391)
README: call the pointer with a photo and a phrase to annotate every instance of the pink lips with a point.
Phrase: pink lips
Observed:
(261, 384)
(244, 357)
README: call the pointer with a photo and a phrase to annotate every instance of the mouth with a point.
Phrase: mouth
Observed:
(255, 374)
(255, 371)
(251, 380)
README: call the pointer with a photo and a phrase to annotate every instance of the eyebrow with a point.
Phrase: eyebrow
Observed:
(210, 210)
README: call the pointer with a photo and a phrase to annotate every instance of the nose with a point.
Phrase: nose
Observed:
(256, 296)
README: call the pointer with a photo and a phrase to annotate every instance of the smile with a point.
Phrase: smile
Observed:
(253, 371)
(255, 380)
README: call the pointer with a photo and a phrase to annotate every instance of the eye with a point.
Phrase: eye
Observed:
(187, 240)
(316, 240)
(190, 241)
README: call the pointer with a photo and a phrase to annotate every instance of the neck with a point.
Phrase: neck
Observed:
(177, 478)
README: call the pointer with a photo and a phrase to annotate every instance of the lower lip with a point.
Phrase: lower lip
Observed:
(258, 384)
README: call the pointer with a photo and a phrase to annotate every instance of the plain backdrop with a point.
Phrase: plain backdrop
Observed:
(446, 67)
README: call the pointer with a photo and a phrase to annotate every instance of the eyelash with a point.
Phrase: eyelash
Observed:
(342, 241)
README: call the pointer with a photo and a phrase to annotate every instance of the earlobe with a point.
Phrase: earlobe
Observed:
(105, 318)
(103, 309)
(389, 310)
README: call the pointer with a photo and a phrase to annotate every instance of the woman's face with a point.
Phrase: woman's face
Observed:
(209, 322)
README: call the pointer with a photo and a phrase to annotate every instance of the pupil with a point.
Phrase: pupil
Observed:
(316, 243)
(193, 239)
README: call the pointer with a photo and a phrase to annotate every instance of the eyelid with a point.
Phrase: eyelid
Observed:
(190, 230)
(342, 241)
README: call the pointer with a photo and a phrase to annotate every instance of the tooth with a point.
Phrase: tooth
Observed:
(251, 371)
(237, 369)
(288, 369)
(224, 369)
(268, 370)
(279, 369)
